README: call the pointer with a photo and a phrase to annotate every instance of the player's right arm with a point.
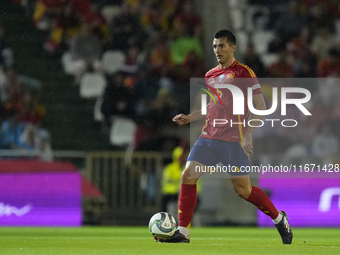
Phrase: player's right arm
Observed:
(182, 119)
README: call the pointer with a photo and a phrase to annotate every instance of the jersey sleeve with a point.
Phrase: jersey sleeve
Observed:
(251, 80)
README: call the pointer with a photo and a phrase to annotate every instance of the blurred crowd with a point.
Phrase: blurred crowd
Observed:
(306, 44)
(21, 114)
(306, 38)
(162, 46)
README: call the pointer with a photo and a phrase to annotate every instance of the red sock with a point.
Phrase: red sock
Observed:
(186, 204)
(258, 198)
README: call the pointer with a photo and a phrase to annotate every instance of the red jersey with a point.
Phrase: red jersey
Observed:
(241, 76)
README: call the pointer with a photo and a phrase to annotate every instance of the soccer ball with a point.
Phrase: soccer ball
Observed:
(162, 225)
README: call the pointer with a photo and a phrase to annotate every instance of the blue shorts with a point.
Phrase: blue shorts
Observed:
(211, 152)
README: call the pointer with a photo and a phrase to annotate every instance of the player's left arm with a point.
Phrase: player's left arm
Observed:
(259, 104)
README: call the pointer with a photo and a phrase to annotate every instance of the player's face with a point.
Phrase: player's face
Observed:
(223, 50)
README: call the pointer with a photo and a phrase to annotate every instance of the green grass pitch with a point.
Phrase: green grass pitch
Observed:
(138, 240)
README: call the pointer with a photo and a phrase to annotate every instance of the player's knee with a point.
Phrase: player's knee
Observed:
(186, 176)
(242, 192)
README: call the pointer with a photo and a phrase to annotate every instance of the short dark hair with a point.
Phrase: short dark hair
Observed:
(224, 33)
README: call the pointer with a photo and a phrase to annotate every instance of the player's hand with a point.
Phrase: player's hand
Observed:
(247, 145)
(181, 119)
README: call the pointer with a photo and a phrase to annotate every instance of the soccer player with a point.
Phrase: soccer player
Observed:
(230, 145)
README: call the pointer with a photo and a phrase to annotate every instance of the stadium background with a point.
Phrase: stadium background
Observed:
(108, 109)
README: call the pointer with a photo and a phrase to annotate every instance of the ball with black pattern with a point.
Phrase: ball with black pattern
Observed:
(162, 225)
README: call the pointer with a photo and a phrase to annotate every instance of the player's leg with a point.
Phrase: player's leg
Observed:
(187, 202)
(188, 196)
(254, 195)
(257, 197)
(200, 156)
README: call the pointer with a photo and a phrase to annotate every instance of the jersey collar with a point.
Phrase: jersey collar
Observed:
(233, 64)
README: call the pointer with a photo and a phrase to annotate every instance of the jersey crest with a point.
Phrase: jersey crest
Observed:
(230, 76)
